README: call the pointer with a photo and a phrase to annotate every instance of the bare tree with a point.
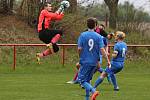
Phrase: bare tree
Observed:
(11, 4)
(7, 6)
(73, 6)
(113, 9)
(4, 6)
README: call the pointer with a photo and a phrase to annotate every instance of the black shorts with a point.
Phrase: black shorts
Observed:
(46, 36)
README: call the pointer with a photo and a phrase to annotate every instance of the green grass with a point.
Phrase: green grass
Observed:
(47, 82)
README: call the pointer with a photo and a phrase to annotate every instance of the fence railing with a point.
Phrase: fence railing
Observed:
(63, 49)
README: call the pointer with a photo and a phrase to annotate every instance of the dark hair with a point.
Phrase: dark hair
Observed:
(91, 23)
(46, 4)
(96, 21)
(102, 25)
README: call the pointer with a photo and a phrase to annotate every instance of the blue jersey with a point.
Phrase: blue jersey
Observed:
(121, 47)
(90, 42)
(105, 41)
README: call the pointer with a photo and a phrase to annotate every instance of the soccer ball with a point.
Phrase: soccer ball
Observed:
(65, 3)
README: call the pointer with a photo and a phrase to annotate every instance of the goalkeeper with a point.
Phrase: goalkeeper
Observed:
(47, 35)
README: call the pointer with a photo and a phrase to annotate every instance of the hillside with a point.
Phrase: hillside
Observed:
(14, 30)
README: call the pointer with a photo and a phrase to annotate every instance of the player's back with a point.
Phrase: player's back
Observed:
(121, 47)
(91, 42)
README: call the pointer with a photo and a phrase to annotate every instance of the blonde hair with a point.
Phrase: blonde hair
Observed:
(120, 34)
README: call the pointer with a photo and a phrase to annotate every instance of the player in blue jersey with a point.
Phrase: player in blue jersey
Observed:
(101, 69)
(117, 62)
(89, 45)
(99, 29)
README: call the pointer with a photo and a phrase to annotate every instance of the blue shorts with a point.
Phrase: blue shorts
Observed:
(86, 73)
(115, 67)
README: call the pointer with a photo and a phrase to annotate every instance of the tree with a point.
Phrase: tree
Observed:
(126, 12)
(11, 4)
(7, 6)
(129, 18)
(73, 6)
(113, 10)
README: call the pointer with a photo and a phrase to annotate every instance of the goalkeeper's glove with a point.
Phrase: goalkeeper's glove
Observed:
(65, 3)
(60, 9)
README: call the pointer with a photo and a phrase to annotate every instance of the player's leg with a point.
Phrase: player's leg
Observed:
(75, 81)
(83, 77)
(87, 94)
(108, 76)
(115, 68)
(103, 75)
(54, 37)
(100, 70)
(76, 74)
(46, 36)
(42, 54)
(47, 52)
(114, 82)
(88, 87)
(95, 93)
(57, 35)
(109, 79)
(100, 79)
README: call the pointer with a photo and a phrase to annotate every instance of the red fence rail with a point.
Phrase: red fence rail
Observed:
(63, 51)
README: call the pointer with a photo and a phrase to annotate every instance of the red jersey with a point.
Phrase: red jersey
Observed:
(46, 17)
(98, 30)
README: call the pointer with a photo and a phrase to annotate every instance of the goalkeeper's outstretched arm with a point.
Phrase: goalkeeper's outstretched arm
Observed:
(63, 5)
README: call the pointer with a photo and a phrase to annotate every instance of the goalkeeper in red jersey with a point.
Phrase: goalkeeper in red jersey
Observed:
(47, 35)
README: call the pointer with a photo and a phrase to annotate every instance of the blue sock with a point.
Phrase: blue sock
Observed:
(88, 86)
(87, 95)
(108, 78)
(100, 70)
(98, 81)
(113, 79)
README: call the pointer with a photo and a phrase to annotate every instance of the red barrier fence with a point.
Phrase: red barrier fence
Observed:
(63, 51)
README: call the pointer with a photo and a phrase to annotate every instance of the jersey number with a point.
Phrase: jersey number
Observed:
(91, 44)
(123, 52)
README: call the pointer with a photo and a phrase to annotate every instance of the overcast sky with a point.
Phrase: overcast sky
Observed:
(145, 4)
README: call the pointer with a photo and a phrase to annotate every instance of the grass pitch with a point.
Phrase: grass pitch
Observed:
(48, 82)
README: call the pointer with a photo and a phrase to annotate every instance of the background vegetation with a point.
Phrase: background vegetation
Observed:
(19, 22)
(47, 81)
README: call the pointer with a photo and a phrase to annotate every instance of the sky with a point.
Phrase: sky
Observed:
(145, 4)
(139, 4)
